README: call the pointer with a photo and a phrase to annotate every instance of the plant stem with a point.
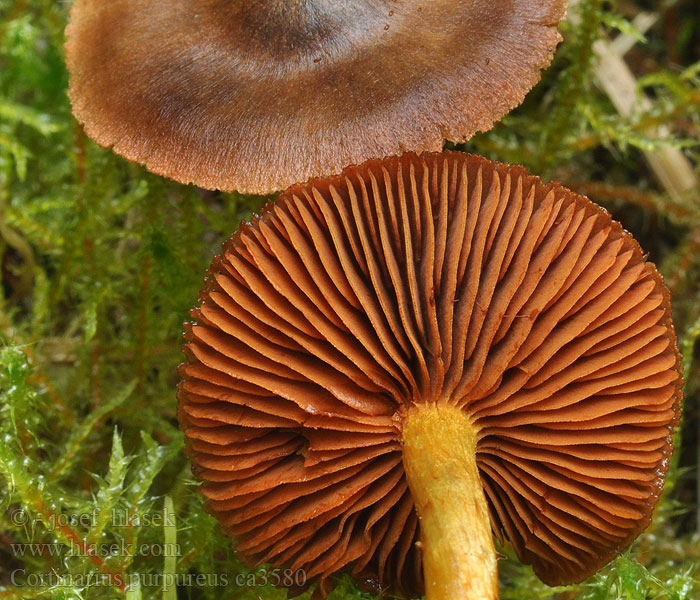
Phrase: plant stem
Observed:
(459, 558)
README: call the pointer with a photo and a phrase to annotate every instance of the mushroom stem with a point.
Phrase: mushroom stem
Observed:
(439, 455)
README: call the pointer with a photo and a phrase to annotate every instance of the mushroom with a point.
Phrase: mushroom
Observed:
(255, 96)
(389, 365)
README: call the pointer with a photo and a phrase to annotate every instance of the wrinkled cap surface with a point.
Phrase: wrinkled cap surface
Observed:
(439, 278)
(256, 96)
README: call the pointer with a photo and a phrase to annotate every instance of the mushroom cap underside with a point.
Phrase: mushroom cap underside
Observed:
(256, 96)
(439, 278)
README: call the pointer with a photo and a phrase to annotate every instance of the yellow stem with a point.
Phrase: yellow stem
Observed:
(439, 455)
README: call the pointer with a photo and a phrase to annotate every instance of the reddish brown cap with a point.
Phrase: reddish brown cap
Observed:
(256, 96)
(441, 278)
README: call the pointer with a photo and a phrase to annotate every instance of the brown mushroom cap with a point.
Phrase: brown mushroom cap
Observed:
(440, 278)
(255, 96)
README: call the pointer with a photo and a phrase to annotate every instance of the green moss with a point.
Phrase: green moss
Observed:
(101, 262)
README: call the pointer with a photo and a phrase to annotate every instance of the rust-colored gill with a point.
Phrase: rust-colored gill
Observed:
(439, 279)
